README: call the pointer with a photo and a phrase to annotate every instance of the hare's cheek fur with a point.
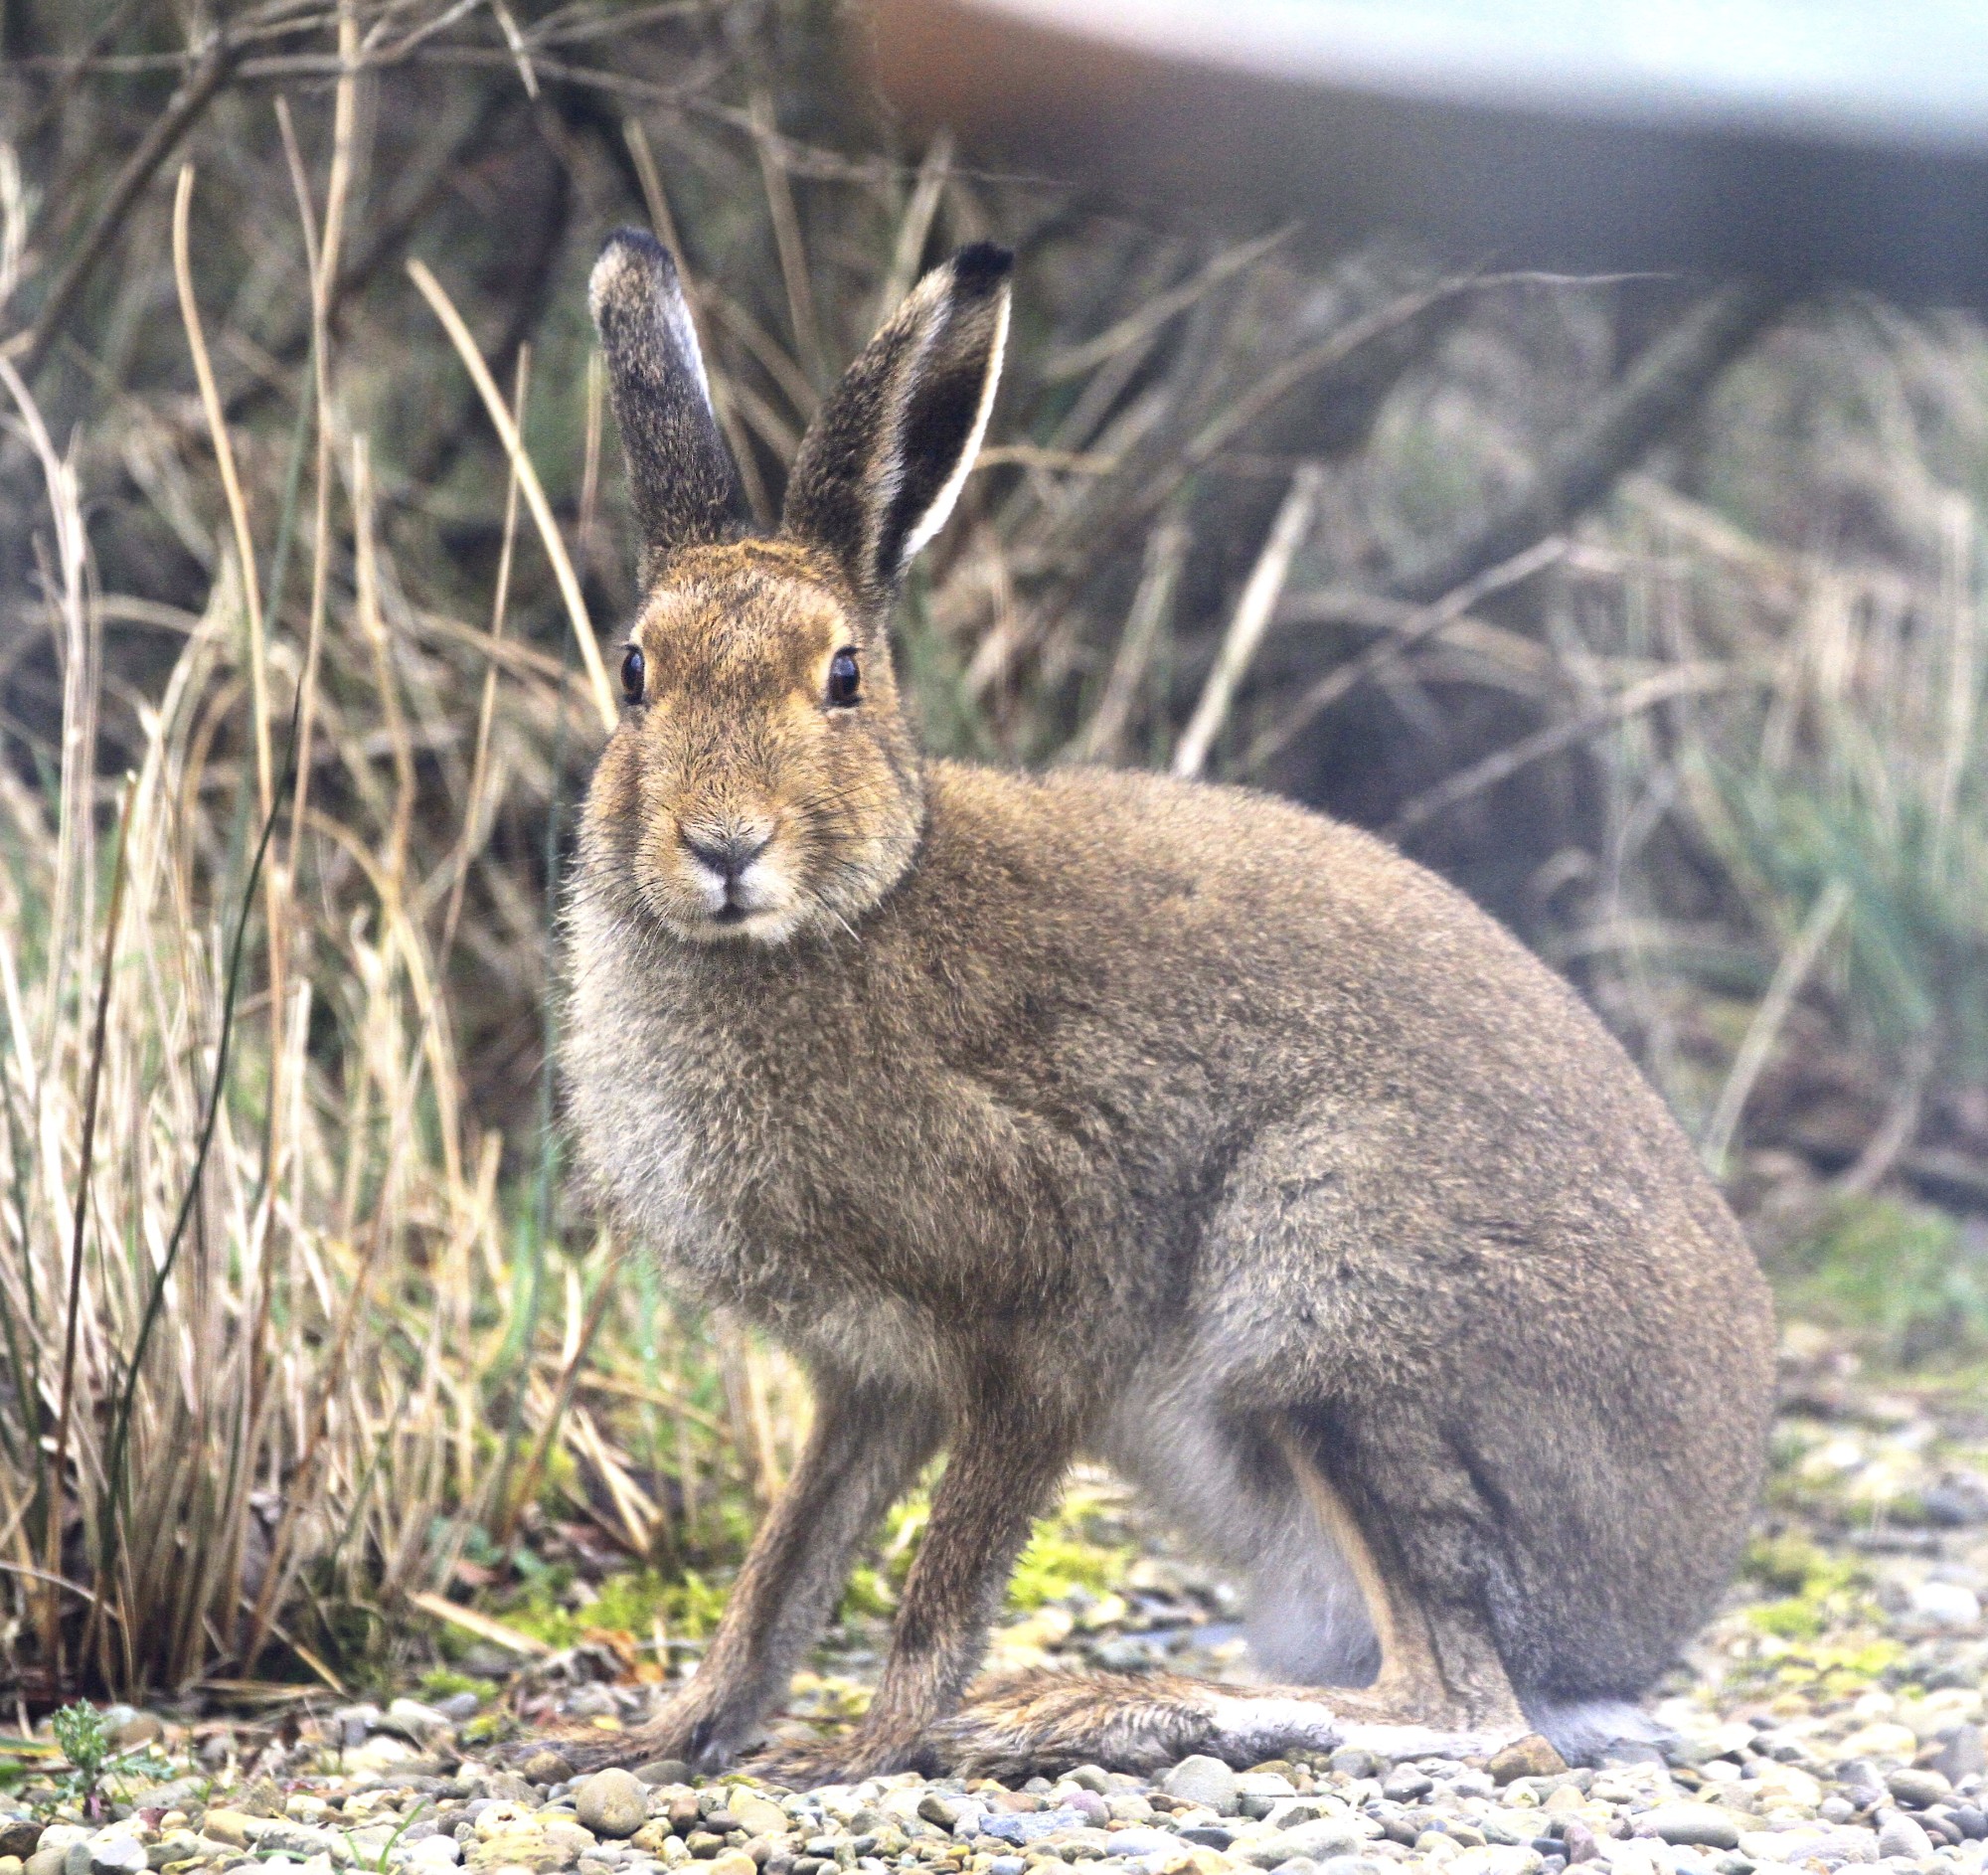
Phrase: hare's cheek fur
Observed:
(758, 829)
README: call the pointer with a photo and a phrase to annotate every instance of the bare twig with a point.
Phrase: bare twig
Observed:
(527, 479)
(1665, 383)
(209, 74)
(1681, 681)
(1769, 1016)
(1387, 652)
(1251, 620)
(1101, 737)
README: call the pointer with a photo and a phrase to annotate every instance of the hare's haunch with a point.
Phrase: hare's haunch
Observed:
(1103, 1114)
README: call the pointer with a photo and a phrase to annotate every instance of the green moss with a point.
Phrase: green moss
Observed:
(445, 1682)
(1905, 1278)
(634, 1604)
(1063, 1556)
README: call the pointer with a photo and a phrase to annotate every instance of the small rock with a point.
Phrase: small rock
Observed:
(117, 1854)
(1883, 1739)
(734, 1862)
(1405, 1784)
(612, 1803)
(1354, 1761)
(1789, 1782)
(937, 1808)
(433, 1852)
(45, 1862)
(1204, 1781)
(1900, 1834)
(134, 1730)
(1527, 1757)
(1018, 1827)
(423, 1724)
(1130, 1842)
(663, 1771)
(546, 1765)
(1959, 1754)
(228, 1826)
(1947, 1605)
(1578, 1842)
(1919, 1790)
(19, 1836)
(755, 1815)
(383, 1751)
(1690, 1825)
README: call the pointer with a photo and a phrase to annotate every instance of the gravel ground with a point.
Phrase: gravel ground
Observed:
(1831, 1714)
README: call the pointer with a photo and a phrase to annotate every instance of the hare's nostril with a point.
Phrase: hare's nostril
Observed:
(726, 857)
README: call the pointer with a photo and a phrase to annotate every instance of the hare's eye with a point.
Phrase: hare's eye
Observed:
(844, 682)
(632, 674)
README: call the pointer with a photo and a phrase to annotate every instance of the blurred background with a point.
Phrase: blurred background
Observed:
(1558, 445)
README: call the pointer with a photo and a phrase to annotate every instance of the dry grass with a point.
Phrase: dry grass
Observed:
(299, 669)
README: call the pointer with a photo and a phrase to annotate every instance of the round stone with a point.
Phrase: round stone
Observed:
(1919, 1790)
(1205, 1782)
(1898, 1834)
(117, 1854)
(612, 1802)
(1690, 1825)
(1527, 1757)
(545, 1766)
(1947, 1605)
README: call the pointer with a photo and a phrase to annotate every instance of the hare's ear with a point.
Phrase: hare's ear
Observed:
(883, 460)
(685, 484)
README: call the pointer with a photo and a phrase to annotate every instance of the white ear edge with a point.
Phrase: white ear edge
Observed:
(683, 329)
(934, 517)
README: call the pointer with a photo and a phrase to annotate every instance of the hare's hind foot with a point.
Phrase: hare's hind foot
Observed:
(1044, 1723)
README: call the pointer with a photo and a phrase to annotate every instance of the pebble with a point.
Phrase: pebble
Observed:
(1919, 1790)
(1527, 1757)
(1947, 1605)
(1695, 1825)
(1900, 1834)
(1205, 1782)
(612, 1802)
(1877, 1766)
(546, 1766)
(117, 1855)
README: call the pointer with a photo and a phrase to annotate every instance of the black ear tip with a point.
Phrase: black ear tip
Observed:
(980, 269)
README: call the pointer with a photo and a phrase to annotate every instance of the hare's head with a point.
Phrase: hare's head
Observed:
(763, 779)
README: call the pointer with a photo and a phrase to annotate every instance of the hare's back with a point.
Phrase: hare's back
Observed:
(1229, 918)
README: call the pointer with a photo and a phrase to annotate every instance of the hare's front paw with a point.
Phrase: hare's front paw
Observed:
(684, 1729)
(859, 1754)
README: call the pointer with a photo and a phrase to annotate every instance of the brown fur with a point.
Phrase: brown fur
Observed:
(1105, 1113)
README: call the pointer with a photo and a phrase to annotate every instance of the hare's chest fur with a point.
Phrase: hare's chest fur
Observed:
(762, 1181)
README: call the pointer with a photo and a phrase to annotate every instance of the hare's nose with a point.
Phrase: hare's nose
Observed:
(726, 857)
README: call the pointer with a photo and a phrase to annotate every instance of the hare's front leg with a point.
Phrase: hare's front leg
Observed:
(1006, 1460)
(867, 1444)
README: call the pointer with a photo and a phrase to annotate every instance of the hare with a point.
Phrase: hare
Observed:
(1098, 1113)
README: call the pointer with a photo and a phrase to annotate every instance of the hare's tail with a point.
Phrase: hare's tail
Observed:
(1042, 1723)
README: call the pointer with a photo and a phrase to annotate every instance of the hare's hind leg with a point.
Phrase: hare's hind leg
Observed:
(1441, 1686)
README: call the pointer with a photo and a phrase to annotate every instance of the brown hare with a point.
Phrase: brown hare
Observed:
(1103, 1114)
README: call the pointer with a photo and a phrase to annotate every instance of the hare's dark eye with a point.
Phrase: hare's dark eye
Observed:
(844, 682)
(632, 674)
